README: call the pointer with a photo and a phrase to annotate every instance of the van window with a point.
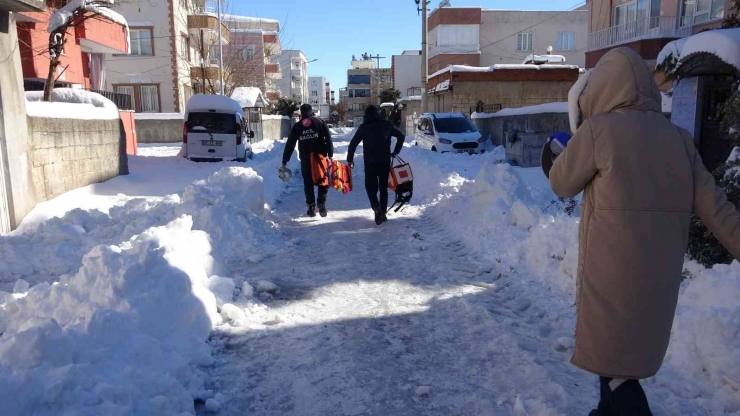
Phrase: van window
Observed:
(454, 125)
(219, 123)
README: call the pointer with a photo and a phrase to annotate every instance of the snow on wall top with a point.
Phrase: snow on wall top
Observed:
(465, 68)
(543, 58)
(274, 117)
(535, 109)
(724, 43)
(159, 116)
(249, 97)
(237, 18)
(71, 103)
(205, 102)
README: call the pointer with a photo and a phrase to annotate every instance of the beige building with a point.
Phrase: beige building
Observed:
(365, 82)
(477, 37)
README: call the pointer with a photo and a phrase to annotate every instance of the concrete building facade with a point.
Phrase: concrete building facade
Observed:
(319, 96)
(477, 37)
(380, 79)
(294, 82)
(406, 72)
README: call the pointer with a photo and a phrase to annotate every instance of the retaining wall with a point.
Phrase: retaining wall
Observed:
(159, 130)
(275, 127)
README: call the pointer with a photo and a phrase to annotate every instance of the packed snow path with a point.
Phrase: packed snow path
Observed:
(392, 320)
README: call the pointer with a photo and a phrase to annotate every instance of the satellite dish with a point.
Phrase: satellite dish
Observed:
(444, 3)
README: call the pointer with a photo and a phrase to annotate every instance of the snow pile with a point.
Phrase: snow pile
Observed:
(62, 15)
(71, 103)
(724, 43)
(535, 109)
(249, 97)
(210, 102)
(124, 335)
(705, 342)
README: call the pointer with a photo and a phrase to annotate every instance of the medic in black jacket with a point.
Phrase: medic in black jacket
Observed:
(312, 136)
(376, 133)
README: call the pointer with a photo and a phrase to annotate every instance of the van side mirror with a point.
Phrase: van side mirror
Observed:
(250, 134)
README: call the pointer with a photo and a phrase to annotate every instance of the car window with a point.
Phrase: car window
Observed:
(212, 123)
(454, 125)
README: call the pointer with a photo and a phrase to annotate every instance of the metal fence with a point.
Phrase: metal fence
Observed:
(663, 26)
(486, 108)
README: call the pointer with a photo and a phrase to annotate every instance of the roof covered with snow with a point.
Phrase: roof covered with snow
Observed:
(465, 68)
(249, 97)
(535, 109)
(541, 59)
(159, 116)
(62, 15)
(208, 102)
(724, 43)
(71, 103)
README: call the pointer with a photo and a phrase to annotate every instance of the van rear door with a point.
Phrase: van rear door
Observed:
(212, 135)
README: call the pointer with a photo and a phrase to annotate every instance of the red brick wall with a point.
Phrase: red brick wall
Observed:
(454, 16)
(508, 75)
(648, 50)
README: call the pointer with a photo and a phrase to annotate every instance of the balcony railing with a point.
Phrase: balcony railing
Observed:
(453, 50)
(651, 27)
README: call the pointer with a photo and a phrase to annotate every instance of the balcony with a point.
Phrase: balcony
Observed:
(203, 19)
(273, 71)
(663, 27)
(454, 50)
(272, 44)
(102, 35)
(197, 72)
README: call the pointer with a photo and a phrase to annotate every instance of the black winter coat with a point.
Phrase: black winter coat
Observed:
(312, 136)
(376, 133)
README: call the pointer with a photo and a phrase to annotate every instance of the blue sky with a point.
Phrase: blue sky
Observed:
(333, 30)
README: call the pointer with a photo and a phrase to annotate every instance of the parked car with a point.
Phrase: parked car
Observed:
(215, 129)
(448, 133)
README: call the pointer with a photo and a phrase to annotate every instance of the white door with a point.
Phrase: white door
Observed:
(4, 206)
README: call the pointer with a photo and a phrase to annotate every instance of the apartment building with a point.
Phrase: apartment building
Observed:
(294, 83)
(648, 25)
(365, 82)
(478, 37)
(406, 73)
(319, 96)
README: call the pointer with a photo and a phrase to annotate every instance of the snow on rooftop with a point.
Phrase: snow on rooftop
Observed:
(71, 103)
(559, 107)
(206, 102)
(535, 59)
(410, 98)
(249, 97)
(246, 19)
(724, 43)
(465, 68)
(63, 14)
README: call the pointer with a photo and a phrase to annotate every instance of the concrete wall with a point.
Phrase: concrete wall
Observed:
(70, 153)
(14, 146)
(159, 130)
(495, 128)
(545, 26)
(274, 128)
(406, 72)
(465, 95)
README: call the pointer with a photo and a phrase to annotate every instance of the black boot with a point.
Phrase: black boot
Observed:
(311, 210)
(628, 399)
(378, 216)
(322, 210)
(385, 218)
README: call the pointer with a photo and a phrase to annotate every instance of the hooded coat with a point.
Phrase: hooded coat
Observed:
(642, 178)
(375, 134)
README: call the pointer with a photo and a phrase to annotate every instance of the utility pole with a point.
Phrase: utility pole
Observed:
(424, 57)
(220, 51)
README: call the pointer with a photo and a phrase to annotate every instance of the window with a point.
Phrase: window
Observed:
(314, 93)
(359, 92)
(141, 42)
(185, 46)
(525, 42)
(358, 79)
(213, 54)
(566, 41)
(700, 11)
(454, 125)
(145, 96)
(247, 52)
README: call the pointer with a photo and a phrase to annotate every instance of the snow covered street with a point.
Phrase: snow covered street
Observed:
(461, 304)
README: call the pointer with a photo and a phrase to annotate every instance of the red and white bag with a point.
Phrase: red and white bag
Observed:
(400, 174)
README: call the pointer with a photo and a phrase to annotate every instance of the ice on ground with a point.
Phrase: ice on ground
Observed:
(265, 286)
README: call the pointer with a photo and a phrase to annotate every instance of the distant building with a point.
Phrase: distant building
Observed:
(406, 73)
(319, 96)
(294, 83)
(364, 83)
(477, 37)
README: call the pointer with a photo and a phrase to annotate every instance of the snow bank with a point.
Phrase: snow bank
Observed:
(724, 43)
(124, 335)
(249, 97)
(208, 102)
(535, 109)
(71, 103)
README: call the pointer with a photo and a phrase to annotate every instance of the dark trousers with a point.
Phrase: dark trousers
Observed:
(308, 184)
(627, 400)
(376, 179)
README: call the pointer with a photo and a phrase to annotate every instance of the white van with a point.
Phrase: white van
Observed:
(215, 129)
(448, 133)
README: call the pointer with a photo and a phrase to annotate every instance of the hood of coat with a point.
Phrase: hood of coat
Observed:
(621, 80)
(372, 116)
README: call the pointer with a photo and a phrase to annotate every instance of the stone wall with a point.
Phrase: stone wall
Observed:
(159, 130)
(275, 127)
(465, 95)
(70, 153)
(495, 128)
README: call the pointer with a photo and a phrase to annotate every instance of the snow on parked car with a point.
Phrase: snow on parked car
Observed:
(215, 129)
(448, 133)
